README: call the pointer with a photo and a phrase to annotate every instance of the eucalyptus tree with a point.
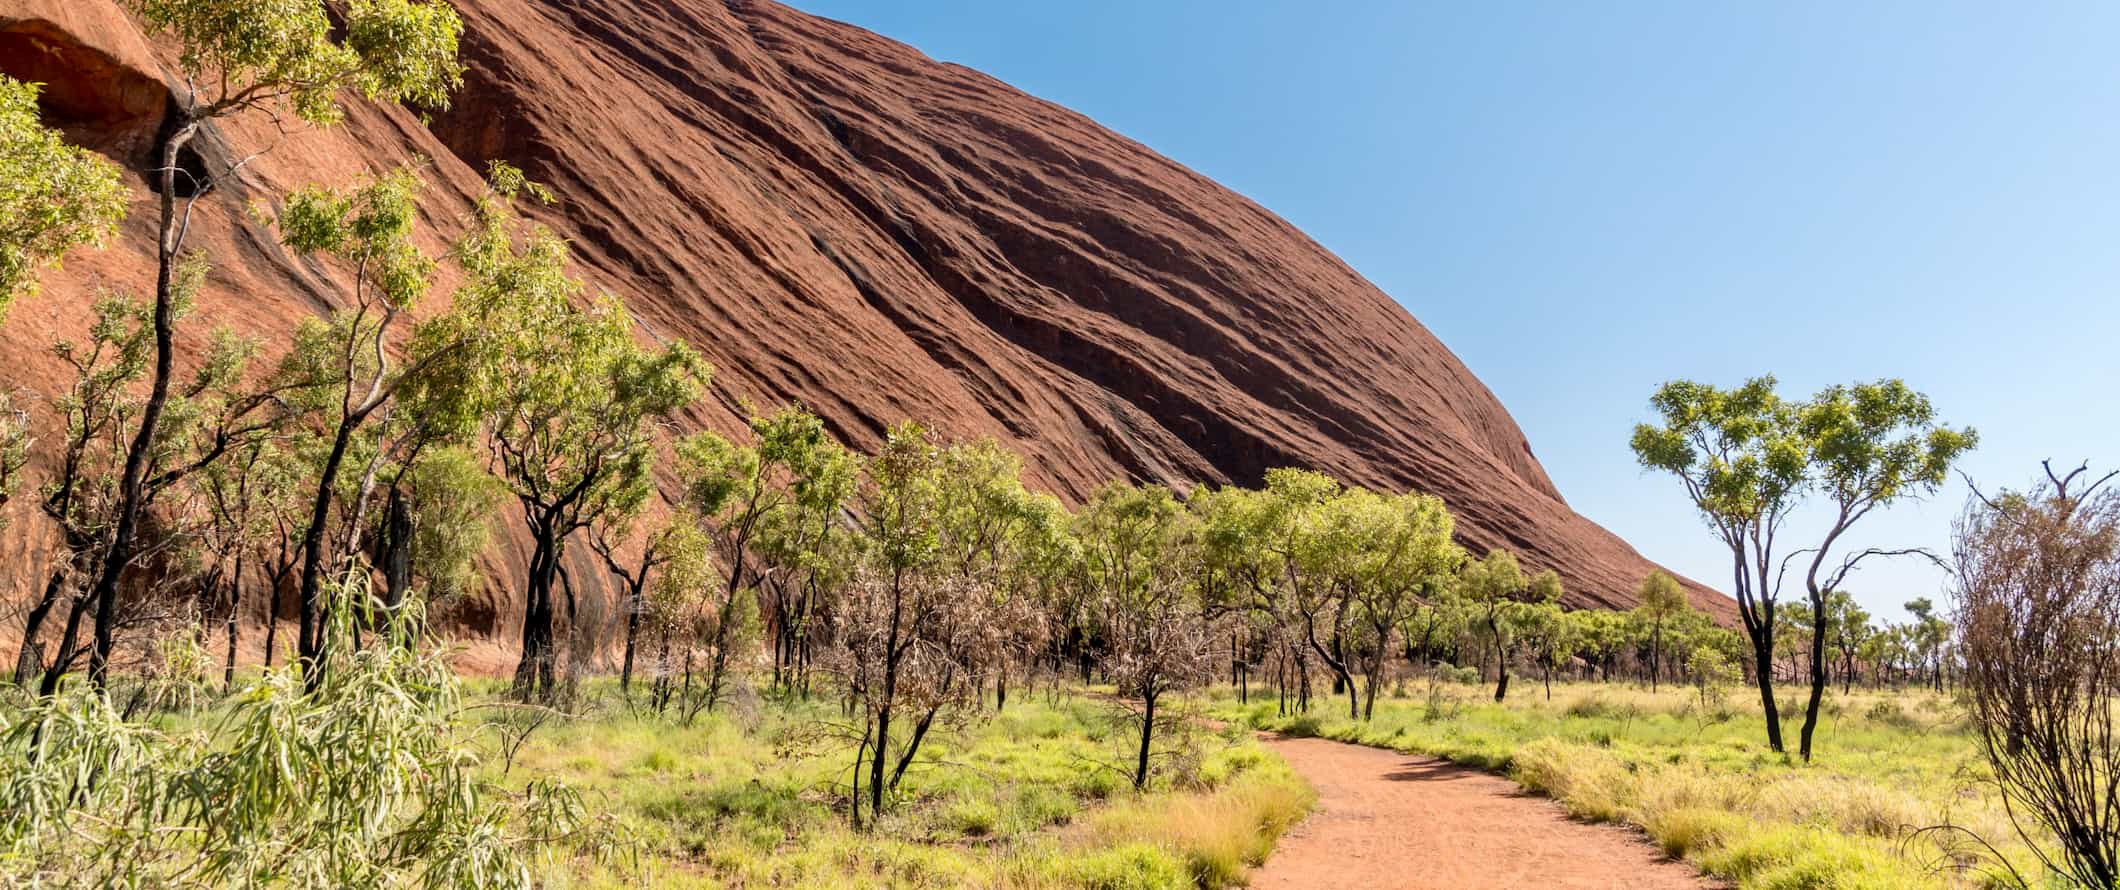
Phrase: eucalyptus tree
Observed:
(1403, 554)
(674, 604)
(567, 398)
(1543, 629)
(342, 366)
(1744, 465)
(606, 537)
(576, 403)
(54, 197)
(1316, 550)
(95, 409)
(1134, 543)
(1848, 625)
(988, 525)
(1496, 590)
(239, 56)
(741, 490)
(1661, 599)
(1926, 639)
(1870, 445)
(885, 649)
(806, 550)
(1748, 458)
(211, 415)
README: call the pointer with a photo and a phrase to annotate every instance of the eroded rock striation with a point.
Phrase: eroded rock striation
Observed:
(835, 219)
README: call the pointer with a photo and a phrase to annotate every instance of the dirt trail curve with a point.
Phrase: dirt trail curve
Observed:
(1391, 821)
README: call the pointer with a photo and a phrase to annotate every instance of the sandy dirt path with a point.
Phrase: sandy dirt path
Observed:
(1390, 821)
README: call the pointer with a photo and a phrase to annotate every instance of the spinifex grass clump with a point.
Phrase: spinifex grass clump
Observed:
(367, 781)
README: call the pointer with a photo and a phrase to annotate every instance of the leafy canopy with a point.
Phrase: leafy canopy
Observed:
(261, 53)
(53, 196)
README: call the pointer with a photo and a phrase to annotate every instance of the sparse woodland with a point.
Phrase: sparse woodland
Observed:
(829, 667)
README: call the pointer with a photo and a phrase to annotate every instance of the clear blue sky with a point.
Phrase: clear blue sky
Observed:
(1584, 200)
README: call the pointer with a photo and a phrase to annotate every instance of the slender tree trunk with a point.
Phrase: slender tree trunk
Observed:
(63, 657)
(1501, 662)
(29, 661)
(633, 607)
(396, 546)
(1148, 730)
(1818, 673)
(235, 603)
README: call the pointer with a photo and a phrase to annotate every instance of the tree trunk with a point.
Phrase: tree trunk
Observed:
(633, 607)
(63, 657)
(1818, 673)
(29, 661)
(396, 544)
(235, 602)
(132, 486)
(1148, 729)
(535, 667)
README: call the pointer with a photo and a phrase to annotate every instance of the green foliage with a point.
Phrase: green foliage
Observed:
(368, 780)
(257, 53)
(453, 500)
(53, 197)
(370, 227)
(1737, 451)
(15, 440)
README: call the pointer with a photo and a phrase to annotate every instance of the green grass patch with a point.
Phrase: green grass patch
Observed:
(1037, 796)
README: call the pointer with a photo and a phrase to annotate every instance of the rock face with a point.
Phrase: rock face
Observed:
(835, 219)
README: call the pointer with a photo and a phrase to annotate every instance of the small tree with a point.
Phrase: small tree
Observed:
(1661, 599)
(2038, 584)
(1849, 626)
(1748, 458)
(570, 402)
(1870, 445)
(239, 56)
(1496, 589)
(341, 367)
(892, 649)
(742, 490)
(1133, 540)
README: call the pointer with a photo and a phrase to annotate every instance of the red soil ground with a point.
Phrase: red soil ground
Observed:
(1390, 821)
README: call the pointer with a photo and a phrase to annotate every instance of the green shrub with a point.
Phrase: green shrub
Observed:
(366, 780)
(1132, 867)
(973, 816)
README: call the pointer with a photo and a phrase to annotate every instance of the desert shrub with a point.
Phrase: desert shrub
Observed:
(1887, 712)
(1131, 867)
(1850, 806)
(1450, 673)
(1301, 726)
(1794, 858)
(1589, 782)
(1037, 806)
(1596, 706)
(1692, 830)
(368, 780)
(1216, 836)
(973, 816)
(2039, 611)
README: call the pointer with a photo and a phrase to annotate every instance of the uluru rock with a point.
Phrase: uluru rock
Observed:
(837, 220)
